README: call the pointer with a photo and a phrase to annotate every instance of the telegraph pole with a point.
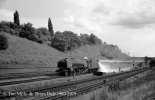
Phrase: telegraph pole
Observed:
(71, 57)
(133, 60)
(70, 47)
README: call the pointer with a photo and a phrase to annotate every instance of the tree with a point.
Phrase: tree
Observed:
(16, 18)
(90, 39)
(94, 39)
(84, 39)
(9, 27)
(29, 32)
(44, 35)
(50, 27)
(59, 42)
(66, 40)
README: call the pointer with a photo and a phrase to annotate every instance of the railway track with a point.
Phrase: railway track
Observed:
(30, 79)
(84, 87)
(19, 81)
(25, 75)
(77, 87)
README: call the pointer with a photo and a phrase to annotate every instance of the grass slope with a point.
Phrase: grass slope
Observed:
(24, 52)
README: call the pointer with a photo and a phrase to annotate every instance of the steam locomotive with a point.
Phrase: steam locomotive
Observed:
(76, 66)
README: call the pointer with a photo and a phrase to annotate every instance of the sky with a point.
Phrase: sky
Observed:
(130, 24)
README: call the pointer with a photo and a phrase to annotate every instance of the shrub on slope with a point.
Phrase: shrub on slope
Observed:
(3, 42)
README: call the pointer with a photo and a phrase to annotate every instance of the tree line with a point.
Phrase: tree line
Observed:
(62, 41)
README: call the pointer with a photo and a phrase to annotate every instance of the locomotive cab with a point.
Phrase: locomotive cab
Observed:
(63, 67)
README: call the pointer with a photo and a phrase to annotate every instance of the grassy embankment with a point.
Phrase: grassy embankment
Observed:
(142, 88)
(23, 52)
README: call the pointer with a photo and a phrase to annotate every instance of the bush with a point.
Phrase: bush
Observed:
(29, 32)
(66, 40)
(84, 39)
(3, 42)
(10, 28)
(44, 34)
(94, 39)
(59, 41)
(89, 39)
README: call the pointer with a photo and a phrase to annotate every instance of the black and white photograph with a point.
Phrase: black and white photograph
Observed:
(77, 50)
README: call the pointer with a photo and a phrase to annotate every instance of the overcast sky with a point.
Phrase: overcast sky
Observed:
(130, 24)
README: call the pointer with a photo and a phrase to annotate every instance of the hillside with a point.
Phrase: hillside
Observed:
(25, 52)
(22, 51)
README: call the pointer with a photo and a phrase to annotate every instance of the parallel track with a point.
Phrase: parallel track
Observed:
(32, 79)
(79, 86)
(91, 84)
(25, 75)
(27, 80)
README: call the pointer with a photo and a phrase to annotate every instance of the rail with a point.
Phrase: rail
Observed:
(75, 86)
(96, 83)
